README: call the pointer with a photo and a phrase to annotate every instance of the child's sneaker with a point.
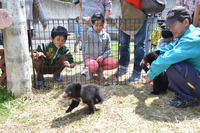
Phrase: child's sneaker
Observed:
(100, 73)
(84, 71)
(58, 79)
(40, 83)
(88, 76)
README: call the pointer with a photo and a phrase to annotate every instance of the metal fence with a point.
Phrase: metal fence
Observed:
(74, 74)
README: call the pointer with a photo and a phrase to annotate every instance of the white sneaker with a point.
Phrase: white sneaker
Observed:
(84, 71)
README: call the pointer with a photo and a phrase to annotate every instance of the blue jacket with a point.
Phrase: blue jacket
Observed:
(186, 48)
(78, 30)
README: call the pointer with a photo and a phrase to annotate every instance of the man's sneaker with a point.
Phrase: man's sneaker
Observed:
(135, 76)
(181, 103)
(75, 51)
(89, 75)
(121, 71)
(100, 73)
(41, 82)
(84, 71)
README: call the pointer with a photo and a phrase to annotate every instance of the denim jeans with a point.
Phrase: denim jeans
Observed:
(139, 39)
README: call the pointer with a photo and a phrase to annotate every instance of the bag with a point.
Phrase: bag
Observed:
(152, 6)
(132, 18)
(35, 12)
(135, 3)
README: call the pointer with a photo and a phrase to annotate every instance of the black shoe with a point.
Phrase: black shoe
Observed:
(181, 103)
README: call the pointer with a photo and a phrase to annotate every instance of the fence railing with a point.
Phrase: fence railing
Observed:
(113, 28)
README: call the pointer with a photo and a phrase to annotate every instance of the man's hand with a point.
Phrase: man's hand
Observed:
(44, 26)
(100, 58)
(148, 81)
(86, 21)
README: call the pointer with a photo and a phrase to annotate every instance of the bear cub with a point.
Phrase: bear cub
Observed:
(160, 83)
(90, 94)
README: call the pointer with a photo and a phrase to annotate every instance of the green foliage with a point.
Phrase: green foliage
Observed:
(5, 98)
(114, 46)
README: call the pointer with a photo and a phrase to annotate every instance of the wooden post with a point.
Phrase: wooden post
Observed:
(196, 20)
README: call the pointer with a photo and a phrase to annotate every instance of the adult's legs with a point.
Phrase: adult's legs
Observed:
(84, 46)
(124, 54)
(75, 44)
(139, 51)
(185, 81)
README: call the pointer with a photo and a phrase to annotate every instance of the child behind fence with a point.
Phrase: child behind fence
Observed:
(98, 48)
(78, 34)
(156, 34)
(167, 37)
(53, 57)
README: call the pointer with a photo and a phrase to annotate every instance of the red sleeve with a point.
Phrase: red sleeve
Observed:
(135, 3)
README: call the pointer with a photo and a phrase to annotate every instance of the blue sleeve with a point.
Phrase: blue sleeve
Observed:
(181, 52)
(76, 30)
(79, 30)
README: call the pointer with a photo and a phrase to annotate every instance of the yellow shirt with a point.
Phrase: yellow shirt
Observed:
(156, 35)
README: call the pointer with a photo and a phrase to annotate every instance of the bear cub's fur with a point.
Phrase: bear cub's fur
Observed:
(90, 94)
(160, 83)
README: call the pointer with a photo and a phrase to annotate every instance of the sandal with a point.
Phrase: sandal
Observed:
(58, 79)
(41, 82)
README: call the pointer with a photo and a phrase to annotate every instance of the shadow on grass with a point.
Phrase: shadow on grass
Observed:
(70, 118)
(157, 108)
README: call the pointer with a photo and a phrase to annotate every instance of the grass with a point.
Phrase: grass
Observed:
(114, 47)
(5, 98)
(125, 109)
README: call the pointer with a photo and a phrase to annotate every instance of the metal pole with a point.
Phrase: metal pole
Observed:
(30, 35)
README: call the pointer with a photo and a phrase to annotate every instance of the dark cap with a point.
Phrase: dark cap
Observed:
(175, 13)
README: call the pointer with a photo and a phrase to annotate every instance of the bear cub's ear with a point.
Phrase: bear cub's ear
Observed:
(78, 86)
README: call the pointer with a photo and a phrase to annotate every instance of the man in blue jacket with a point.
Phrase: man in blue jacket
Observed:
(180, 59)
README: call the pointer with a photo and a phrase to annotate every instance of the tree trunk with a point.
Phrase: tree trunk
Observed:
(16, 49)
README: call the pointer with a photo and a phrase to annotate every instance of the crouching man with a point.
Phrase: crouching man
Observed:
(180, 59)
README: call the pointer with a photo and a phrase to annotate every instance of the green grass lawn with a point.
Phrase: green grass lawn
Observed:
(126, 109)
(114, 47)
(5, 98)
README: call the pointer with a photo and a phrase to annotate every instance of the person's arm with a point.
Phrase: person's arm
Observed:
(108, 6)
(76, 30)
(39, 51)
(180, 52)
(42, 16)
(78, 5)
(108, 47)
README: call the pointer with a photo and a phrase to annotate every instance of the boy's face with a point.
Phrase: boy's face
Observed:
(168, 40)
(58, 41)
(98, 26)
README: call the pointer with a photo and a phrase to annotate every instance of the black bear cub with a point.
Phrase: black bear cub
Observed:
(160, 83)
(90, 94)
